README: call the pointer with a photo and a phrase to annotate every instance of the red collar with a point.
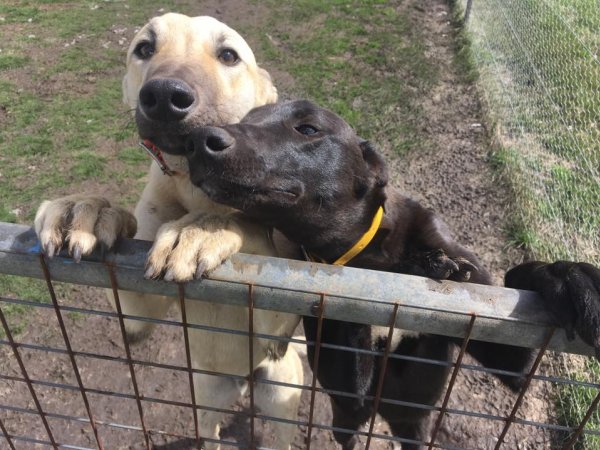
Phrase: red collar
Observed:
(157, 156)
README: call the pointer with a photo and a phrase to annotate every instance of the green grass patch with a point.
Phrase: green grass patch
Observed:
(23, 288)
(132, 155)
(63, 116)
(18, 13)
(89, 165)
(572, 403)
(79, 60)
(7, 216)
(362, 59)
(12, 61)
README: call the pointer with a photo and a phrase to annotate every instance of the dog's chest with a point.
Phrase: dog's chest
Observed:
(193, 198)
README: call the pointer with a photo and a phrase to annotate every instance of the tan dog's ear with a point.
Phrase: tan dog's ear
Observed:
(265, 90)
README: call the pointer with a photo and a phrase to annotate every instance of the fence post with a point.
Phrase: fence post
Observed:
(467, 11)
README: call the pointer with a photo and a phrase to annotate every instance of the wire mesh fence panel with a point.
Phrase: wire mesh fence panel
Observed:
(539, 75)
(78, 383)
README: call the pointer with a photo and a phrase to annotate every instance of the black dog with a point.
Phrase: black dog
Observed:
(303, 170)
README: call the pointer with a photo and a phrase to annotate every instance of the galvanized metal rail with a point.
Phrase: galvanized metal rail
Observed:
(503, 315)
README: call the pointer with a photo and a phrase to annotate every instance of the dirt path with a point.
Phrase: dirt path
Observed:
(451, 177)
(455, 179)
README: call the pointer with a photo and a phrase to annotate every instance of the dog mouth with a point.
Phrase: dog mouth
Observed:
(169, 137)
(245, 196)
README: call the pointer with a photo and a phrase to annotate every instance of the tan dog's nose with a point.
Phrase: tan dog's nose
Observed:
(166, 100)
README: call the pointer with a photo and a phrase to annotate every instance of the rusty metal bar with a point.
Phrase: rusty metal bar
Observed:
(31, 440)
(297, 422)
(321, 390)
(547, 426)
(455, 371)
(188, 359)
(546, 378)
(277, 338)
(313, 384)
(305, 387)
(27, 379)
(6, 435)
(353, 295)
(517, 405)
(251, 361)
(67, 341)
(382, 371)
(115, 290)
(581, 426)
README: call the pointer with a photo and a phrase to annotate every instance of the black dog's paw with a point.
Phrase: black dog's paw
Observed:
(572, 292)
(439, 265)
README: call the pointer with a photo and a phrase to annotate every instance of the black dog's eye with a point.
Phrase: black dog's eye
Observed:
(306, 129)
(228, 57)
(144, 50)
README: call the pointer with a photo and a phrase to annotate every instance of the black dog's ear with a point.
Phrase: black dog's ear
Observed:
(376, 163)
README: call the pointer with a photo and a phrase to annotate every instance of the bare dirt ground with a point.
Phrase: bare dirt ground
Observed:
(452, 177)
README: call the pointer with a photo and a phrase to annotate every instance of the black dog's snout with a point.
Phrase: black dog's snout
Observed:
(210, 140)
(166, 99)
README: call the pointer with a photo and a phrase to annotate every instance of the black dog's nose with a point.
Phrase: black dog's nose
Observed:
(166, 99)
(211, 140)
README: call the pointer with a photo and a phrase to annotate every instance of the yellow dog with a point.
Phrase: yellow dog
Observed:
(184, 72)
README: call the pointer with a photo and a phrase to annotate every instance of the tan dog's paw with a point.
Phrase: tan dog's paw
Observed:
(192, 246)
(84, 221)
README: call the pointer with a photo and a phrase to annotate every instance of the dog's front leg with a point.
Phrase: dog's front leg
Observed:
(278, 401)
(217, 392)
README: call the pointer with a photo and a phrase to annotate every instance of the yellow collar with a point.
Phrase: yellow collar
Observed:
(360, 245)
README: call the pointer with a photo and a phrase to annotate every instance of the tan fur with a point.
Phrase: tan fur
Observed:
(189, 230)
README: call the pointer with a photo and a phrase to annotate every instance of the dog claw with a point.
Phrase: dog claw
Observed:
(453, 266)
(77, 253)
(149, 274)
(200, 271)
(50, 250)
(169, 275)
(466, 265)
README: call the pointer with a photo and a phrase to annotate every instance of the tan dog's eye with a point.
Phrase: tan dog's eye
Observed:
(228, 57)
(144, 50)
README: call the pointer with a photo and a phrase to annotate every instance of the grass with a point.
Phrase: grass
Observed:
(541, 81)
(543, 89)
(362, 59)
(12, 61)
(60, 90)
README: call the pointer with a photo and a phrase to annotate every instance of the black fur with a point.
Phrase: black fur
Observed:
(302, 169)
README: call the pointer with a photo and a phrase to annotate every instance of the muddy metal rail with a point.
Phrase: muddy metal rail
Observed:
(354, 295)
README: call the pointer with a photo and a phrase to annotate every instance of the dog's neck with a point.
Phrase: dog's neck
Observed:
(327, 242)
